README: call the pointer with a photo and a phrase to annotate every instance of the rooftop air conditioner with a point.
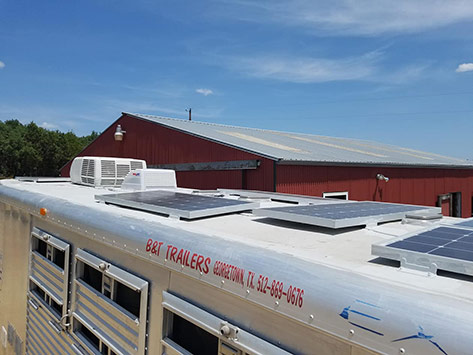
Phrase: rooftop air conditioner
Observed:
(103, 171)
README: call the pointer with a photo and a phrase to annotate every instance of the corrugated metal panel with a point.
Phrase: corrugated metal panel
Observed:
(411, 186)
(43, 334)
(304, 147)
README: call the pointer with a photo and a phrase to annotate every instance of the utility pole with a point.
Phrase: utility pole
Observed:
(190, 113)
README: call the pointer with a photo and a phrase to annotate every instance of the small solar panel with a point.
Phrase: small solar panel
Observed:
(182, 205)
(446, 248)
(342, 214)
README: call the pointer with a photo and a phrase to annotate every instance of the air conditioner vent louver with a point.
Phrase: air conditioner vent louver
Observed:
(88, 167)
(109, 172)
(122, 170)
(136, 165)
(108, 168)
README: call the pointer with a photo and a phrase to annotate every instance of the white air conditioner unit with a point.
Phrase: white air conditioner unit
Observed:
(103, 171)
(148, 179)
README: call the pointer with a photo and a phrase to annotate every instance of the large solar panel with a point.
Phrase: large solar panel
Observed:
(182, 205)
(446, 248)
(342, 214)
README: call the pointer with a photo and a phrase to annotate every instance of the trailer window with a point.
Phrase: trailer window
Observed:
(58, 258)
(37, 290)
(53, 306)
(128, 299)
(191, 337)
(93, 340)
(92, 277)
(40, 246)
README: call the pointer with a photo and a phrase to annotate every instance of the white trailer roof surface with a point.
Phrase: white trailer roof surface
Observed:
(347, 249)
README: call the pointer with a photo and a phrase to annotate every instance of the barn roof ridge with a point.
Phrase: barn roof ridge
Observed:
(307, 148)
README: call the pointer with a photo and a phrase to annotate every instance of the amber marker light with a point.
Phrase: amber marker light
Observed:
(43, 211)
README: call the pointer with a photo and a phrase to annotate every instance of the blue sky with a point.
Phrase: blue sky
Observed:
(398, 72)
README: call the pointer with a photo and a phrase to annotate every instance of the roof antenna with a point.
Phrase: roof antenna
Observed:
(190, 113)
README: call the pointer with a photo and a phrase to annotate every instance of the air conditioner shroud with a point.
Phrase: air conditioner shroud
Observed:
(103, 171)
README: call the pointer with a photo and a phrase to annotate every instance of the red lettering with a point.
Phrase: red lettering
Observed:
(179, 256)
(193, 260)
(159, 248)
(200, 260)
(216, 267)
(173, 254)
(186, 257)
(148, 244)
(167, 252)
(206, 265)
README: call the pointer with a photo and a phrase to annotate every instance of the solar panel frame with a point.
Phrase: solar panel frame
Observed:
(332, 220)
(224, 205)
(427, 257)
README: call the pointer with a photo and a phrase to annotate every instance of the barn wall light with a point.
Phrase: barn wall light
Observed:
(119, 132)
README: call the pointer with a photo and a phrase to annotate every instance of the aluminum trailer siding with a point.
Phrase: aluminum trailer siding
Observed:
(188, 273)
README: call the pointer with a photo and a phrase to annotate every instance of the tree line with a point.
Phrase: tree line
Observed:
(29, 150)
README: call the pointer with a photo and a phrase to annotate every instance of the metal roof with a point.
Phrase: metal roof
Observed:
(299, 148)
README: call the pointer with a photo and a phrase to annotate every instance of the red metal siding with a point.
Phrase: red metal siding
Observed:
(406, 185)
(160, 145)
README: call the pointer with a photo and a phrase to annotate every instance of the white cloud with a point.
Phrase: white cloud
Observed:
(307, 70)
(205, 92)
(356, 17)
(49, 125)
(464, 67)
(2, 65)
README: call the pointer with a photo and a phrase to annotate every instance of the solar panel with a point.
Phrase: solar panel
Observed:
(282, 197)
(182, 205)
(446, 248)
(342, 214)
(468, 223)
(39, 179)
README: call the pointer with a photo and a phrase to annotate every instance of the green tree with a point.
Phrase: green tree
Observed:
(29, 150)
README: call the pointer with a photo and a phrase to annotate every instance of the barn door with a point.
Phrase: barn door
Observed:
(451, 204)
(445, 202)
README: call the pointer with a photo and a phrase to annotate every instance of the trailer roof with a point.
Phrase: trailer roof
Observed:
(306, 149)
(348, 249)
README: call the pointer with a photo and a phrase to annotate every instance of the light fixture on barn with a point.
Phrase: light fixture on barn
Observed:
(119, 132)
(382, 177)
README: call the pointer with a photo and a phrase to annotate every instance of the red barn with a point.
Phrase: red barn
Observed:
(209, 156)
